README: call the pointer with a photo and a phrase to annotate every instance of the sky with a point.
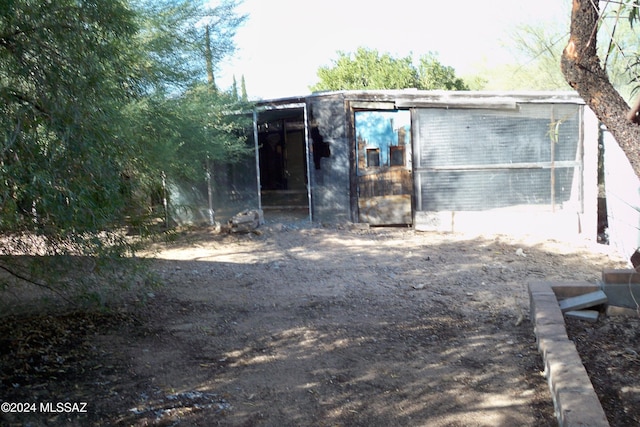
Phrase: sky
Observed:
(284, 42)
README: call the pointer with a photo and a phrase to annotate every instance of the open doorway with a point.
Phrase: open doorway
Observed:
(282, 142)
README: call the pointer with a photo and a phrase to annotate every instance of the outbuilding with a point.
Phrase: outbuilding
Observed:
(432, 160)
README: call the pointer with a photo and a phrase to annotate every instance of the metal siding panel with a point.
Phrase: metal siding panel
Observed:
(516, 153)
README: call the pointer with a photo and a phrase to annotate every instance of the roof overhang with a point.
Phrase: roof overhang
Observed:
(413, 98)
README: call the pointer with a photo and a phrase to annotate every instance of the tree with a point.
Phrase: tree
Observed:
(536, 50)
(243, 89)
(433, 75)
(181, 124)
(368, 69)
(185, 40)
(97, 100)
(69, 70)
(177, 134)
(66, 68)
(208, 56)
(584, 72)
(234, 89)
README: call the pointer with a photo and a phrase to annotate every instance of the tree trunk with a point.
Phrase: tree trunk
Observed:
(583, 71)
(208, 54)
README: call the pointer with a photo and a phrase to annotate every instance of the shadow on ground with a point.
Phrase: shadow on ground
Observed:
(304, 326)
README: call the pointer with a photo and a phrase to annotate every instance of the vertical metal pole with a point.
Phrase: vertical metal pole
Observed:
(165, 203)
(257, 149)
(210, 194)
(580, 158)
(307, 167)
(553, 136)
(415, 145)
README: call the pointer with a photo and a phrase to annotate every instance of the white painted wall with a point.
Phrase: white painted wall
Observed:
(623, 199)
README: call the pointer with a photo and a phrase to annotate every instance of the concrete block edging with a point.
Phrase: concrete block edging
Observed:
(574, 398)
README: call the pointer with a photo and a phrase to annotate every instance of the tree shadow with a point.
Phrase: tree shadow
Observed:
(375, 327)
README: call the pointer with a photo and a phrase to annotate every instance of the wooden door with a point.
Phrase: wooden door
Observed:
(383, 152)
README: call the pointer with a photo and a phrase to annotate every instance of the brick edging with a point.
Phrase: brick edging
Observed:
(574, 399)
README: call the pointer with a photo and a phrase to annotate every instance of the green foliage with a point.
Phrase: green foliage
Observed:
(234, 89)
(173, 38)
(99, 100)
(85, 88)
(181, 123)
(537, 50)
(243, 89)
(66, 71)
(433, 75)
(368, 69)
(622, 58)
(177, 135)
(634, 10)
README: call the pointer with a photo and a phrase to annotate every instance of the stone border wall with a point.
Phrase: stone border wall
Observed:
(574, 398)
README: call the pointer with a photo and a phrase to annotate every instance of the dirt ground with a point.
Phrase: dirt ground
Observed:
(609, 351)
(304, 325)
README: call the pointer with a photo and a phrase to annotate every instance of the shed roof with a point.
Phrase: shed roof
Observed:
(407, 98)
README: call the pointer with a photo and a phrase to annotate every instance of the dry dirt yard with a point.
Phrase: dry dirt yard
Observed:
(302, 325)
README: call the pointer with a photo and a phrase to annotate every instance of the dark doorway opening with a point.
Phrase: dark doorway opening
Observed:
(282, 142)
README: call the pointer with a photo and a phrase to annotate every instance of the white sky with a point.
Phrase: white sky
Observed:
(284, 42)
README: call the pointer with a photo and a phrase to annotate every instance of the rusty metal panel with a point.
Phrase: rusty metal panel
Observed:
(386, 210)
(385, 197)
(386, 182)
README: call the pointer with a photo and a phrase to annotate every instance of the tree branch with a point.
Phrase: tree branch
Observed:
(582, 70)
(33, 282)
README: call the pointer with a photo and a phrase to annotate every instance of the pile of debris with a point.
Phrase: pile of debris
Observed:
(246, 221)
(617, 294)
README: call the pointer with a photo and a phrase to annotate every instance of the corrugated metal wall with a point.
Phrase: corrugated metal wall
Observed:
(477, 159)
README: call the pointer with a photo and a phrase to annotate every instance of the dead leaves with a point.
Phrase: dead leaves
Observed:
(42, 351)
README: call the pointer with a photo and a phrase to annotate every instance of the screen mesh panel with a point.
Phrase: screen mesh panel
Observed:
(486, 159)
(482, 190)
